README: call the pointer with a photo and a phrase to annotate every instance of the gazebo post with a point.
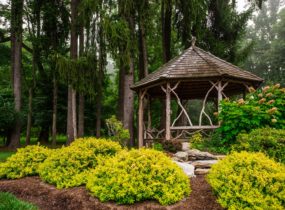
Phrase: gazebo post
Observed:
(140, 120)
(220, 96)
(167, 111)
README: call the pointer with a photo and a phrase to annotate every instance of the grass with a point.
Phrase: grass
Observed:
(5, 155)
(10, 202)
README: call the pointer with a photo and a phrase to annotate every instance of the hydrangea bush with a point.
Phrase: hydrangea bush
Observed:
(137, 175)
(261, 108)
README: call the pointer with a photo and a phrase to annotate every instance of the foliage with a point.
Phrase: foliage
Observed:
(171, 145)
(267, 140)
(137, 175)
(248, 181)
(264, 107)
(68, 166)
(196, 138)
(212, 143)
(5, 155)
(117, 131)
(25, 162)
(157, 146)
(10, 202)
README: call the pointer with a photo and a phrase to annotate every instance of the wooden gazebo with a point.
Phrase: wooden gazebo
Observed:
(195, 74)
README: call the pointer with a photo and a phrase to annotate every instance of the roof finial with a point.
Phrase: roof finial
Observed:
(193, 41)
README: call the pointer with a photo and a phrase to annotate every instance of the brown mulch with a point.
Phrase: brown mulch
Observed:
(47, 197)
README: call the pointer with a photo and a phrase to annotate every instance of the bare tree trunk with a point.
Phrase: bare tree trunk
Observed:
(71, 113)
(81, 100)
(54, 111)
(166, 13)
(16, 58)
(29, 121)
(143, 63)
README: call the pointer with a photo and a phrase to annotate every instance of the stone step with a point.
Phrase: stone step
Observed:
(202, 171)
(204, 163)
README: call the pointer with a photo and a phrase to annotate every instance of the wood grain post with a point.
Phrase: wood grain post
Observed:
(220, 95)
(168, 112)
(140, 123)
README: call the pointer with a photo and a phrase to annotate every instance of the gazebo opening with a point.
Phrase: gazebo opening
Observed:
(195, 80)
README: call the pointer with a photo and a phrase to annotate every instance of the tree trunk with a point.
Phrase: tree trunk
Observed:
(81, 100)
(166, 13)
(71, 113)
(143, 63)
(16, 58)
(54, 111)
(29, 121)
(44, 135)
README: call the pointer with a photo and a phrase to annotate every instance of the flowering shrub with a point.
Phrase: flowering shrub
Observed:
(25, 162)
(248, 181)
(267, 140)
(138, 175)
(117, 132)
(261, 108)
(69, 166)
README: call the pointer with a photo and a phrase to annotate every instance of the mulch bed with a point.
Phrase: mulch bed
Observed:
(47, 197)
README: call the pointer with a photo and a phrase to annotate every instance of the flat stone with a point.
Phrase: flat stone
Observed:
(181, 156)
(204, 163)
(195, 154)
(185, 146)
(220, 157)
(202, 171)
(187, 168)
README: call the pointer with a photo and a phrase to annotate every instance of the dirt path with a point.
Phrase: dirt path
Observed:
(47, 197)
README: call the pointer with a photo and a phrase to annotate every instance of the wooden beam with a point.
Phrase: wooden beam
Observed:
(168, 112)
(220, 95)
(194, 127)
(140, 120)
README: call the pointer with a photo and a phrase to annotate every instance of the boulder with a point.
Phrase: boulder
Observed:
(183, 156)
(202, 171)
(195, 154)
(204, 163)
(187, 168)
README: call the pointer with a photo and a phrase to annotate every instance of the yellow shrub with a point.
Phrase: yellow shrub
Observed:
(248, 181)
(25, 162)
(68, 166)
(138, 175)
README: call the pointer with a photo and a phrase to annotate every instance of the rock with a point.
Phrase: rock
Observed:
(185, 146)
(204, 163)
(187, 168)
(176, 159)
(220, 157)
(195, 154)
(201, 171)
(181, 156)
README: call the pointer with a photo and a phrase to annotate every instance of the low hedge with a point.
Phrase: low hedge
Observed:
(69, 166)
(267, 140)
(248, 181)
(137, 175)
(25, 162)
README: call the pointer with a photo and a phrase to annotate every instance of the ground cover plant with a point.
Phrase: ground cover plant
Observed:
(137, 175)
(25, 162)
(68, 166)
(267, 140)
(248, 181)
(261, 108)
(10, 202)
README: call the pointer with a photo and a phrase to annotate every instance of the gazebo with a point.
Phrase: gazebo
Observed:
(194, 74)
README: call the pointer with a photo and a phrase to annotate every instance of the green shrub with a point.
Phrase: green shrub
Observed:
(261, 108)
(138, 175)
(117, 132)
(267, 140)
(25, 162)
(248, 181)
(10, 202)
(172, 145)
(68, 166)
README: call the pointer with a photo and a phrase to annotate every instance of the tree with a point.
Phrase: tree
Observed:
(16, 58)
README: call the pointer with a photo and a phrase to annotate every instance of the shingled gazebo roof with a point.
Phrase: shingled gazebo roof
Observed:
(197, 65)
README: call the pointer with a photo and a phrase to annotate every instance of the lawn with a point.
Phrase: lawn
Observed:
(10, 202)
(5, 155)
